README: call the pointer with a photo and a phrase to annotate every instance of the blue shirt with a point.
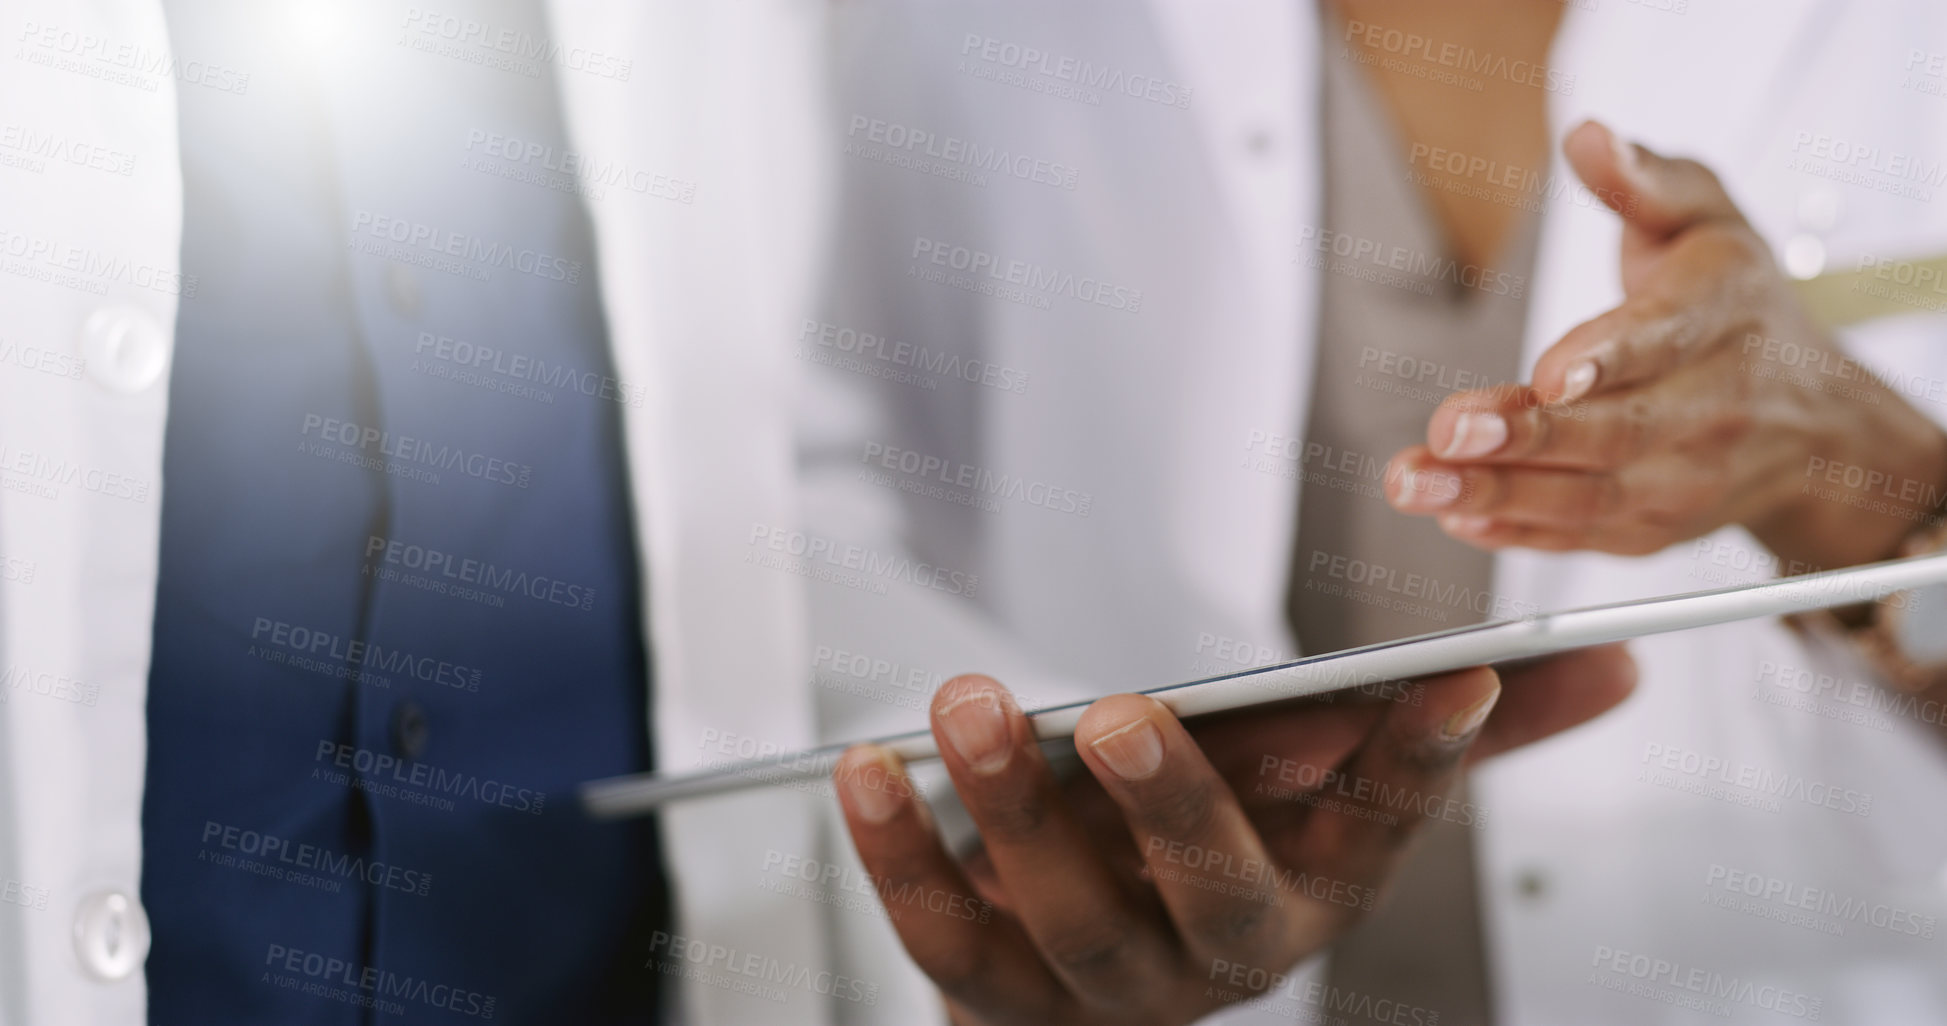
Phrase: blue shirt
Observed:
(398, 615)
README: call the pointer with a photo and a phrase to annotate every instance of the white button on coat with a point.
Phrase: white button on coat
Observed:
(111, 935)
(124, 348)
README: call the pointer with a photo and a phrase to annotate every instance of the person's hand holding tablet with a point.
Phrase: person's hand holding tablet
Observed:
(1129, 893)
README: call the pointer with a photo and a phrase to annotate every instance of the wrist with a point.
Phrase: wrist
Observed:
(1860, 490)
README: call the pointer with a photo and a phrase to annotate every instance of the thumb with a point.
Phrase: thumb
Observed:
(1657, 196)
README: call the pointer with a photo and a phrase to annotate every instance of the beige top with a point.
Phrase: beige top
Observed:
(1401, 326)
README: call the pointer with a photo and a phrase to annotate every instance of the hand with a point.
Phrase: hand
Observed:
(1127, 895)
(1707, 398)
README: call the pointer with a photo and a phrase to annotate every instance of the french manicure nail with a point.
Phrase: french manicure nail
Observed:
(1465, 722)
(1426, 490)
(1627, 160)
(1579, 380)
(1132, 751)
(878, 790)
(976, 727)
(1466, 524)
(1476, 434)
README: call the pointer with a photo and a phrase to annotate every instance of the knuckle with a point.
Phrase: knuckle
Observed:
(1016, 816)
(1632, 435)
(1091, 951)
(955, 968)
(1540, 426)
(1482, 489)
(1179, 811)
(1237, 927)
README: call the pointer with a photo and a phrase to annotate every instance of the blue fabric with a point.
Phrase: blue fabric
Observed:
(398, 616)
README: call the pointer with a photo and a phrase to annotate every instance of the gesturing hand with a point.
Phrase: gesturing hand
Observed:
(1125, 895)
(1678, 412)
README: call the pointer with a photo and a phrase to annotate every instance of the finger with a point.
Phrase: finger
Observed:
(1398, 778)
(1304, 738)
(1624, 538)
(1214, 875)
(1108, 950)
(1517, 425)
(1693, 299)
(1548, 697)
(1657, 196)
(1537, 496)
(979, 960)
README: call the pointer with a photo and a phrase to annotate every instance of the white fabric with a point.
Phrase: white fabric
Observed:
(1178, 420)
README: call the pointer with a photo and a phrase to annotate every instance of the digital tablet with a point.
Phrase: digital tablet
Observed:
(1496, 643)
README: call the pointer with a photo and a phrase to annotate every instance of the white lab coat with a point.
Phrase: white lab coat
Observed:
(698, 297)
(1172, 151)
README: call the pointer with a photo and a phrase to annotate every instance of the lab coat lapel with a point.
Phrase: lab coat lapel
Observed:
(709, 451)
(1252, 69)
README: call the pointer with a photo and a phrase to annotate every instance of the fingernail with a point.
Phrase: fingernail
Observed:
(1465, 722)
(878, 789)
(976, 727)
(1476, 434)
(1427, 490)
(1132, 751)
(1466, 524)
(1627, 160)
(1579, 380)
